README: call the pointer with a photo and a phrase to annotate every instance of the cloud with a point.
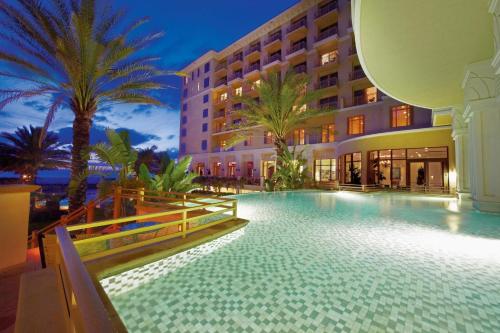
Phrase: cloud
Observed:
(170, 137)
(36, 105)
(143, 109)
(98, 134)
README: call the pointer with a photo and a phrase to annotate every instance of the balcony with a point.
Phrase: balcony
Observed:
(330, 105)
(327, 63)
(221, 82)
(300, 69)
(364, 99)
(326, 13)
(297, 29)
(357, 74)
(253, 52)
(273, 42)
(219, 114)
(254, 68)
(328, 35)
(297, 49)
(221, 68)
(237, 76)
(273, 60)
(328, 82)
(236, 60)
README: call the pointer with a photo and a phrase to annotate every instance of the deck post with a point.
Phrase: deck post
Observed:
(184, 224)
(117, 202)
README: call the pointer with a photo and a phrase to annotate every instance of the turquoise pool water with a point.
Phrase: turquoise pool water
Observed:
(326, 262)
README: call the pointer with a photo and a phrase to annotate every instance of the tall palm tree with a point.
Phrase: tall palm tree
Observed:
(79, 54)
(279, 108)
(24, 152)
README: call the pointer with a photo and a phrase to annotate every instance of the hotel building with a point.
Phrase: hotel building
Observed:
(369, 139)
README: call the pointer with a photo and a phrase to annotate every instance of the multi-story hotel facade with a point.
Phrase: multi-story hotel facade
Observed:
(387, 142)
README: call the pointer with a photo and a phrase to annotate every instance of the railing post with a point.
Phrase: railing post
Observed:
(184, 224)
(235, 208)
(90, 214)
(117, 204)
(141, 194)
(34, 240)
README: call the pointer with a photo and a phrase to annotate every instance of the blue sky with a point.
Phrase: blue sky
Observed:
(191, 27)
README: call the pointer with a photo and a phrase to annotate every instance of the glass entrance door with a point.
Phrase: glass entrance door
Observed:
(435, 170)
(417, 174)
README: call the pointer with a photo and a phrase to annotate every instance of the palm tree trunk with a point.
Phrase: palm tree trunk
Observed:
(280, 145)
(79, 163)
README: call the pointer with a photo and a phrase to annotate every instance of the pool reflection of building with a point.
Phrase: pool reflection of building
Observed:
(372, 139)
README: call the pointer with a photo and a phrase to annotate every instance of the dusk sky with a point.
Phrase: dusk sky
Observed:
(191, 27)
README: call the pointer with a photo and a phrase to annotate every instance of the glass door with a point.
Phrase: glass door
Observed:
(417, 174)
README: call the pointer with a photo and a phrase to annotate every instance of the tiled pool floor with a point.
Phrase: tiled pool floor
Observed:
(326, 262)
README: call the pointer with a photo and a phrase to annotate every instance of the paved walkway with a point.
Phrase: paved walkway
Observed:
(9, 289)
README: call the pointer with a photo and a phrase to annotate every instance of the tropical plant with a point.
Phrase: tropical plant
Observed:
(175, 178)
(279, 108)
(26, 151)
(79, 54)
(291, 173)
(355, 174)
(155, 161)
(118, 154)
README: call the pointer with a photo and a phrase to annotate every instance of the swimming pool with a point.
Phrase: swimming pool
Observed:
(326, 262)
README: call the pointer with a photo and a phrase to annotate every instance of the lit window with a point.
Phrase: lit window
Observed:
(299, 136)
(256, 84)
(231, 169)
(238, 91)
(268, 137)
(328, 133)
(248, 141)
(329, 57)
(401, 116)
(198, 86)
(371, 94)
(356, 125)
(223, 97)
(303, 108)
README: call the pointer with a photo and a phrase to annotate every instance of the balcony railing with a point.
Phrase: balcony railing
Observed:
(328, 82)
(296, 25)
(221, 66)
(237, 75)
(300, 69)
(332, 105)
(357, 74)
(331, 6)
(252, 49)
(297, 47)
(364, 99)
(219, 114)
(331, 31)
(332, 60)
(221, 82)
(273, 58)
(236, 57)
(273, 38)
(251, 68)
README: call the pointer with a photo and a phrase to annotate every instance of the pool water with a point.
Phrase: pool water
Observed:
(326, 262)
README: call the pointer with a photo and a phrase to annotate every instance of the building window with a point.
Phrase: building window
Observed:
(248, 141)
(206, 82)
(325, 170)
(256, 84)
(329, 57)
(183, 148)
(207, 67)
(231, 169)
(205, 98)
(328, 103)
(204, 145)
(371, 95)
(183, 132)
(192, 75)
(401, 115)
(184, 119)
(356, 125)
(299, 136)
(238, 91)
(328, 133)
(184, 107)
(205, 113)
(204, 127)
(198, 74)
(268, 137)
(185, 93)
(223, 97)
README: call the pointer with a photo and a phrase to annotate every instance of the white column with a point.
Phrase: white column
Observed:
(460, 136)
(482, 115)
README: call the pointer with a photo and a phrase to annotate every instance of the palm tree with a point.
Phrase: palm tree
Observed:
(24, 152)
(78, 54)
(150, 157)
(279, 108)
